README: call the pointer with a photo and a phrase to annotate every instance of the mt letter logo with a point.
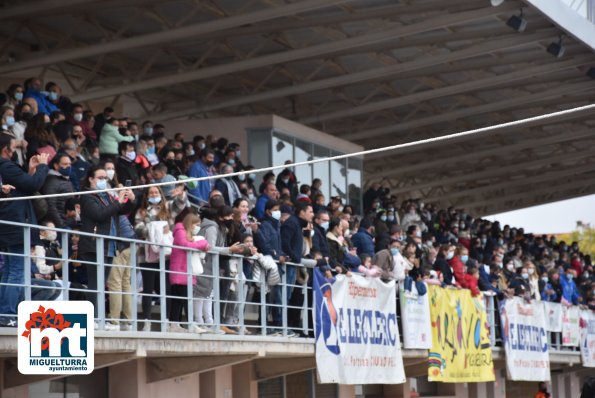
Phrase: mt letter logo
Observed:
(56, 337)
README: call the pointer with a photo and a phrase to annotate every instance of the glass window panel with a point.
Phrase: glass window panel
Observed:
(282, 150)
(338, 178)
(321, 170)
(354, 183)
(303, 153)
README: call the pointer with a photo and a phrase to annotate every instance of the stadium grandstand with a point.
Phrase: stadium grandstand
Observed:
(199, 172)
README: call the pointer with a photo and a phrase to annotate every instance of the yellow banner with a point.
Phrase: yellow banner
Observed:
(461, 350)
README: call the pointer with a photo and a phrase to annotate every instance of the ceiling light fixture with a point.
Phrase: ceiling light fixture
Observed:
(517, 22)
(557, 49)
(496, 3)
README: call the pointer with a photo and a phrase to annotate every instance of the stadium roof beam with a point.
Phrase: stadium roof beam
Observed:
(318, 50)
(535, 176)
(385, 72)
(570, 185)
(528, 143)
(517, 75)
(509, 103)
(491, 172)
(175, 34)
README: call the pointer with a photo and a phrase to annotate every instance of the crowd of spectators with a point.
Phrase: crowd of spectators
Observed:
(50, 145)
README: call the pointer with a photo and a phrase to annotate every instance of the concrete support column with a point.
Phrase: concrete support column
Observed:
(346, 391)
(397, 390)
(15, 392)
(572, 387)
(243, 383)
(217, 383)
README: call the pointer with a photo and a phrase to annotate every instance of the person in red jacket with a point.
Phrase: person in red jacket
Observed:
(457, 263)
(470, 280)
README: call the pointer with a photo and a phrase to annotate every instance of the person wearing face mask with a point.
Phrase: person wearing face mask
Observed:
(533, 280)
(126, 168)
(217, 229)
(110, 139)
(57, 182)
(55, 97)
(99, 215)
(202, 168)
(446, 254)
(183, 236)
(38, 98)
(153, 222)
(16, 129)
(11, 238)
(552, 290)
(458, 264)
(47, 252)
(14, 95)
(570, 294)
(337, 246)
(520, 283)
(385, 260)
(319, 241)
(286, 181)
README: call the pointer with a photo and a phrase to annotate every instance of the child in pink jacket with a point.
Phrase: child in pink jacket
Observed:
(178, 277)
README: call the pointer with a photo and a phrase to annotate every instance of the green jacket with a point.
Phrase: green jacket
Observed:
(110, 138)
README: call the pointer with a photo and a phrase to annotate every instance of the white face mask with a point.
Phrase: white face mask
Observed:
(311, 233)
(196, 230)
(531, 271)
(110, 174)
(51, 235)
(276, 214)
(510, 267)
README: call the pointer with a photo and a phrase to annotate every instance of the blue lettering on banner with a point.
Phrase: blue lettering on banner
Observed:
(357, 326)
(527, 338)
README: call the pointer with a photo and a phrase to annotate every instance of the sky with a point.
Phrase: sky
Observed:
(556, 217)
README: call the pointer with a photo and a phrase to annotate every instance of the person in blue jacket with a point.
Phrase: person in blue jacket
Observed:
(569, 290)
(33, 90)
(363, 240)
(11, 237)
(201, 168)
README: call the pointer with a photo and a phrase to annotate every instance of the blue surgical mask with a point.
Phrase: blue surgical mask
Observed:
(155, 201)
(149, 130)
(18, 96)
(202, 145)
(151, 150)
(382, 218)
(10, 121)
(450, 255)
(65, 171)
(238, 153)
(231, 162)
(252, 176)
(525, 275)
(53, 96)
(464, 258)
(101, 184)
(394, 251)
(242, 177)
(391, 218)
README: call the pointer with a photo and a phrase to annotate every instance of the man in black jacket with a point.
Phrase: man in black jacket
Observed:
(126, 168)
(292, 239)
(58, 181)
(11, 237)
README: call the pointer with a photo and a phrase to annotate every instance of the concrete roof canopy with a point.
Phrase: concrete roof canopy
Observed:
(375, 72)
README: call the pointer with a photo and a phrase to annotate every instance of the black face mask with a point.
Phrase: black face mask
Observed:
(14, 157)
(209, 163)
(228, 223)
(122, 130)
(306, 233)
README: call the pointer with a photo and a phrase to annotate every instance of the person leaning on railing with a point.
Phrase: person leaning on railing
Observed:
(11, 237)
(99, 215)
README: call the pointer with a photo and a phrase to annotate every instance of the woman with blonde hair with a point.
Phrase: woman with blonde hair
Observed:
(533, 280)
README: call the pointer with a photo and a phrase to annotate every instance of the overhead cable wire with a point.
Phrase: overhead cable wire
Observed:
(325, 159)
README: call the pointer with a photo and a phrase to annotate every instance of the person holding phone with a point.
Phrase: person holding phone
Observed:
(99, 215)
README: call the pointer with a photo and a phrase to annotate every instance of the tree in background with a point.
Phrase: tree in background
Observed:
(584, 234)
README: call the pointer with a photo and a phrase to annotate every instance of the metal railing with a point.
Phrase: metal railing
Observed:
(254, 311)
(253, 314)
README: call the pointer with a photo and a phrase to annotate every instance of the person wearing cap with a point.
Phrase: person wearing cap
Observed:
(363, 240)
